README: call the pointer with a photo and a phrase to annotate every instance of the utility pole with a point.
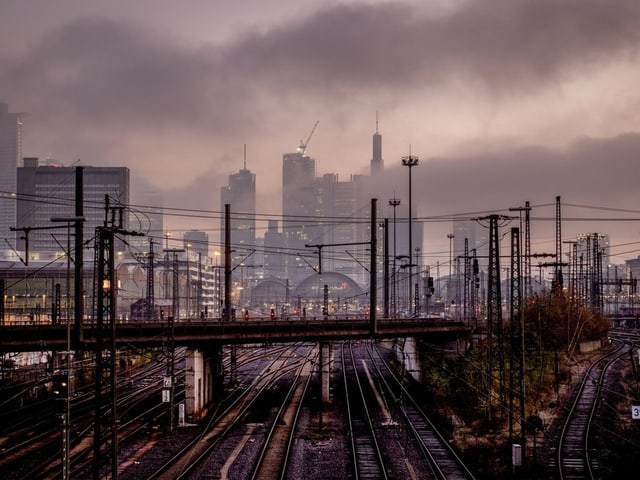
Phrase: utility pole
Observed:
(171, 377)
(151, 301)
(385, 267)
(66, 416)
(199, 292)
(494, 302)
(494, 310)
(527, 246)
(516, 370)
(227, 262)
(558, 281)
(78, 285)
(394, 202)
(596, 300)
(79, 263)
(475, 289)
(450, 236)
(2, 308)
(106, 330)
(466, 283)
(373, 286)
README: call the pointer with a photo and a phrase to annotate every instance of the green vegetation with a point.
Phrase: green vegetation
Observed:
(463, 393)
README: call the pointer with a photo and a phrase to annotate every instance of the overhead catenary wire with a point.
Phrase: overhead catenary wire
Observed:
(291, 222)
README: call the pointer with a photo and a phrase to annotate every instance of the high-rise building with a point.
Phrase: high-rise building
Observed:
(49, 191)
(196, 241)
(341, 226)
(240, 195)
(300, 209)
(10, 154)
(274, 258)
(377, 164)
(322, 211)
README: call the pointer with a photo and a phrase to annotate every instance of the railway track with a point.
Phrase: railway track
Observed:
(443, 460)
(367, 459)
(38, 455)
(195, 459)
(272, 463)
(573, 457)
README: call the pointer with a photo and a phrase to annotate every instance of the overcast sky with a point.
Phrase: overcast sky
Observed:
(504, 101)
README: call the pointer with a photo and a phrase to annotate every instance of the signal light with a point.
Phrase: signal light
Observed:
(60, 385)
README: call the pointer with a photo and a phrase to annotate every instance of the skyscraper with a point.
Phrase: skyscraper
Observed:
(196, 241)
(338, 201)
(10, 154)
(274, 259)
(240, 194)
(300, 207)
(377, 164)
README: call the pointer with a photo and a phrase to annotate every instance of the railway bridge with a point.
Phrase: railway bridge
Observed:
(204, 340)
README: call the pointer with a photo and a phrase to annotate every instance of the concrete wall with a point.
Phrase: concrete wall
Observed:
(195, 384)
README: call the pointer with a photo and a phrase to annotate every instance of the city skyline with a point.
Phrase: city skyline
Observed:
(523, 101)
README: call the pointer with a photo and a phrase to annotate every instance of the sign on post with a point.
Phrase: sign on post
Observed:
(635, 412)
(181, 416)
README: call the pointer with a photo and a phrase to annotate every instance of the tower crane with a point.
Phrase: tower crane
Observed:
(303, 144)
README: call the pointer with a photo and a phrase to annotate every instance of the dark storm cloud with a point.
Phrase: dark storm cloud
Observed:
(593, 171)
(501, 43)
(110, 92)
(107, 70)
(110, 71)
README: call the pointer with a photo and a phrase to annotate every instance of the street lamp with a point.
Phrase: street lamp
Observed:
(410, 161)
(450, 236)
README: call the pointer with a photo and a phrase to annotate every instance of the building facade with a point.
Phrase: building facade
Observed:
(197, 242)
(10, 154)
(46, 191)
(300, 210)
(240, 195)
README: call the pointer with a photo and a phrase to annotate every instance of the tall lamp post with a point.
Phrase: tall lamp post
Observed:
(410, 161)
(450, 236)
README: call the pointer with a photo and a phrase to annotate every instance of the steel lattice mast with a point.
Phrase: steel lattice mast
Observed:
(105, 420)
(151, 301)
(516, 363)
